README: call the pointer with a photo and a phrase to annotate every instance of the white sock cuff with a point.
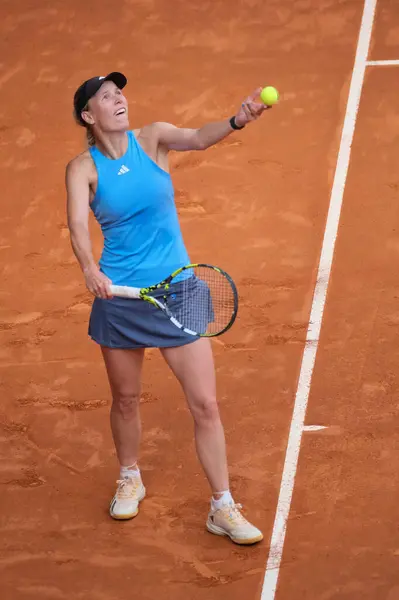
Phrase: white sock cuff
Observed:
(224, 500)
(131, 470)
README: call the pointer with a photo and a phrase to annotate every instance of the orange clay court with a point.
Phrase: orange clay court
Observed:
(257, 205)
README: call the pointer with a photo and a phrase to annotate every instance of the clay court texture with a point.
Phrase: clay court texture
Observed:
(302, 210)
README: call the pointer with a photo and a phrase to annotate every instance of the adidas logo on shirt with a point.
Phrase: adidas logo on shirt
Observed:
(123, 170)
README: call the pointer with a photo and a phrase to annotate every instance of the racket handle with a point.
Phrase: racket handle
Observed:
(125, 291)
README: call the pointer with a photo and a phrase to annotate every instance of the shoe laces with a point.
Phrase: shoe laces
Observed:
(233, 514)
(127, 487)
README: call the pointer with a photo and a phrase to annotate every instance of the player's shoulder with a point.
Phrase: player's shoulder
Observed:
(81, 164)
(80, 160)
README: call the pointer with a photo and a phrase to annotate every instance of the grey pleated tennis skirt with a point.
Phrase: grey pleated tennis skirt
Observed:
(128, 324)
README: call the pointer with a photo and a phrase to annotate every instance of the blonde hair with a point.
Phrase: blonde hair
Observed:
(90, 138)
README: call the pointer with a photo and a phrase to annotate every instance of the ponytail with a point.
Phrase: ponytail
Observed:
(91, 140)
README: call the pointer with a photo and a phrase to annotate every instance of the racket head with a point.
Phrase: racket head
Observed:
(199, 298)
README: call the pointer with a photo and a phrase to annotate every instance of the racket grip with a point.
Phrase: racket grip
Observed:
(125, 291)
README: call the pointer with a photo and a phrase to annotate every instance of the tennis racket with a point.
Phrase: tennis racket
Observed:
(200, 299)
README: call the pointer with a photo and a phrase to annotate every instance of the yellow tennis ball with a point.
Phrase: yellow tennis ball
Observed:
(269, 95)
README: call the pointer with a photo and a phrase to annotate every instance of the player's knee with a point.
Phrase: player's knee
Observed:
(126, 403)
(205, 410)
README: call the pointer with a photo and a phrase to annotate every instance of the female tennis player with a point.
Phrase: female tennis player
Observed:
(123, 178)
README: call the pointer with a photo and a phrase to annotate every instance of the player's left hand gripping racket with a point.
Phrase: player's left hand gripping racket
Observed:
(200, 299)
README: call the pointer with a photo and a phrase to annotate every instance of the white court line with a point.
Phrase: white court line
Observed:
(313, 427)
(382, 63)
(316, 314)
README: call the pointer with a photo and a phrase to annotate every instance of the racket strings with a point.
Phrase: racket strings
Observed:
(208, 301)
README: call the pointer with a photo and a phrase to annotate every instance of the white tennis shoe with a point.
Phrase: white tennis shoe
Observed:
(229, 521)
(125, 504)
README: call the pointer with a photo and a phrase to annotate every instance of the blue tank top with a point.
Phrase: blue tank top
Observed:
(134, 205)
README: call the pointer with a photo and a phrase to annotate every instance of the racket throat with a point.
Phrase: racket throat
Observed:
(180, 326)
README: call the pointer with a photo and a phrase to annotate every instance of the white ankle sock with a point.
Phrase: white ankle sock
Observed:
(130, 471)
(225, 500)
